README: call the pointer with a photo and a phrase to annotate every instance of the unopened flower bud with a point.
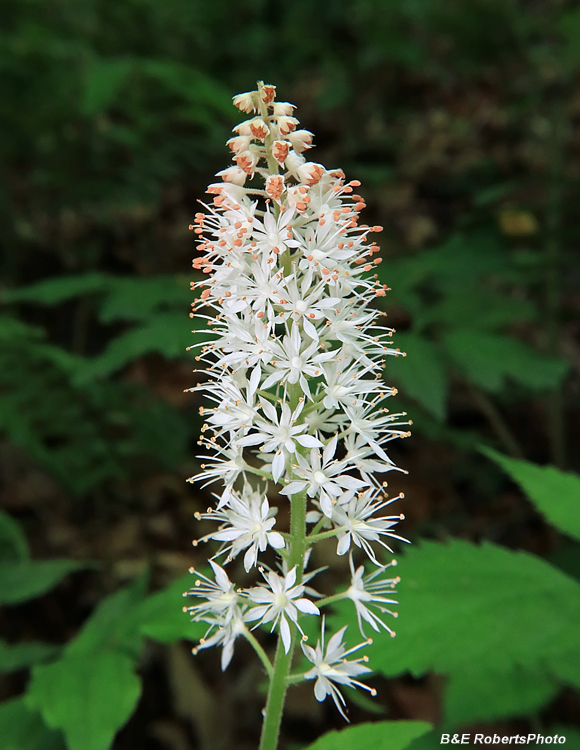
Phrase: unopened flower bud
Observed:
(300, 140)
(234, 175)
(239, 143)
(283, 108)
(247, 102)
(293, 161)
(275, 186)
(280, 151)
(268, 93)
(310, 173)
(259, 128)
(286, 124)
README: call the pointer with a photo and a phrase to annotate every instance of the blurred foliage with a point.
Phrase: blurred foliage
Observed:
(461, 119)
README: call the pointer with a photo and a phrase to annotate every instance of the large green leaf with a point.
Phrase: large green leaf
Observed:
(140, 298)
(480, 694)
(162, 618)
(13, 544)
(464, 605)
(20, 655)
(555, 493)
(23, 729)
(167, 333)
(420, 373)
(27, 579)
(383, 735)
(114, 624)
(488, 359)
(59, 289)
(89, 696)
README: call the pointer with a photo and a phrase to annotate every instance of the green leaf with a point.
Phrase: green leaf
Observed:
(555, 493)
(420, 374)
(383, 735)
(488, 359)
(58, 289)
(13, 544)
(114, 624)
(22, 729)
(20, 655)
(463, 605)
(162, 618)
(89, 696)
(139, 299)
(28, 579)
(13, 330)
(483, 695)
(104, 81)
(167, 334)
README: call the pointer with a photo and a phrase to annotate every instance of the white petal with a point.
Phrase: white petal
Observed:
(320, 689)
(309, 329)
(276, 540)
(308, 441)
(250, 558)
(254, 380)
(306, 606)
(285, 633)
(343, 545)
(293, 488)
(278, 466)
(290, 578)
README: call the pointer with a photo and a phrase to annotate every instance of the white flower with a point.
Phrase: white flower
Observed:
(221, 597)
(279, 435)
(225, 635)
(322, 477)
(365, 592)
(279, 600)
(354, 516)
(332, 666)
(248, 523)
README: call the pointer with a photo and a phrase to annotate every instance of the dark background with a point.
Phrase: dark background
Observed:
(461, 121)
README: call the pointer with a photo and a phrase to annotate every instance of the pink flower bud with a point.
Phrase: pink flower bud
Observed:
(234, 175)
(247, 160)
(268, 93)
(275, 186)
(300, 140)
(283, 108)
(258, 128)
(286, 124)
(294, 160)
(280, 151)
(247, 102)
(239, 143)
(310, 173)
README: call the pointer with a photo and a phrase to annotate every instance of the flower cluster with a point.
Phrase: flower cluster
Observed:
(293, 367)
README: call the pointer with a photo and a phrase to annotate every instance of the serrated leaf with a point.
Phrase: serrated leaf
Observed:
(555, 493)
(383, 735)
(59, 289)
(89, 696)
(463, 604)
(28, 579)
(23, 729)
(484, 695)
(20, 655)
(488, 359)
(162, 618)
(420, 374)
(104, 80)
(13, 544)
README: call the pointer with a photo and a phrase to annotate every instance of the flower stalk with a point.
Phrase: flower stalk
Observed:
(297, 409)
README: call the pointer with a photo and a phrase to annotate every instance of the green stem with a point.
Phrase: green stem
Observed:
(261, 653)
(324, 535)
(283, 660)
